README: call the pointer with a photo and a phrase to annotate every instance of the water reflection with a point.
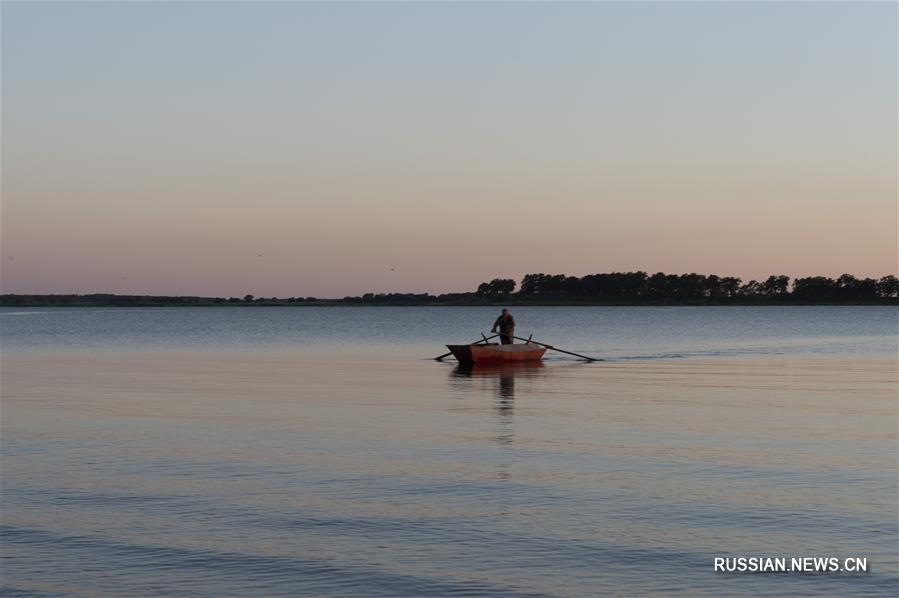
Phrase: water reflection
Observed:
(500, 377)
(499, 381)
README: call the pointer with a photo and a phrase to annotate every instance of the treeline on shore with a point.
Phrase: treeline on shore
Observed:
(618, 288)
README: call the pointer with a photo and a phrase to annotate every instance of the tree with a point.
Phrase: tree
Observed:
(713, 286)
(571, 286)
(848, 285)
(689, 286)
(248, 298)
(753, 288)
(554, 284)
(888, 286)
(633, 284)
(658, 285)
(596, 285)
(532, 284)
(496, 287)
(851, 287)
(776, 285)
(815, 288)
(730, 286)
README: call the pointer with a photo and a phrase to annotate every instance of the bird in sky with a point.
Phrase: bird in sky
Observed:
(259, 255)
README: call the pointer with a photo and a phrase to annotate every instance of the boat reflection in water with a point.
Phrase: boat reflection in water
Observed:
(501, 376)
(473, 381)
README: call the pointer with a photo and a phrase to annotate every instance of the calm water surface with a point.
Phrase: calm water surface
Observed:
(607, 332)
(316, 451)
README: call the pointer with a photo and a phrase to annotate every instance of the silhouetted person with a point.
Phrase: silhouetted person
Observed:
(506, 324)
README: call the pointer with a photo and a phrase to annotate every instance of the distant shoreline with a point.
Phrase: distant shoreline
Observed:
(612, 289)
(158, 301)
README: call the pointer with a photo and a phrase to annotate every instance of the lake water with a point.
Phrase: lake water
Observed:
(318, 451)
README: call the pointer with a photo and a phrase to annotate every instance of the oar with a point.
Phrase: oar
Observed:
(484, 339)
(529, 340)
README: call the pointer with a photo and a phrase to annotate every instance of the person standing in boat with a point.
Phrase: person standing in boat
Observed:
(506, 324)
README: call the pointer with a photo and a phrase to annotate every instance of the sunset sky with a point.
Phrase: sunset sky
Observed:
(159, 148)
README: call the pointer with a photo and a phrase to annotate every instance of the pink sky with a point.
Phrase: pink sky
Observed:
(392, 158)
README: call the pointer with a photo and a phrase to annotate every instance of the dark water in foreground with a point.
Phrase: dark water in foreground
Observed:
(145, 454)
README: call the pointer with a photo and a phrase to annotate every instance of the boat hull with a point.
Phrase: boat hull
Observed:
(493, 353)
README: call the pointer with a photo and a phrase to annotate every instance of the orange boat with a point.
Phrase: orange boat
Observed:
(495, 353)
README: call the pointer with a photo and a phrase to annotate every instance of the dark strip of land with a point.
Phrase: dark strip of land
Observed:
(616, 288)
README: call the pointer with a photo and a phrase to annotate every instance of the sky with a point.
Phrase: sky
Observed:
(330, 149)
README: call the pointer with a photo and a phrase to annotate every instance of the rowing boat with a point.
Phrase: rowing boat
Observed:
(494, 353)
